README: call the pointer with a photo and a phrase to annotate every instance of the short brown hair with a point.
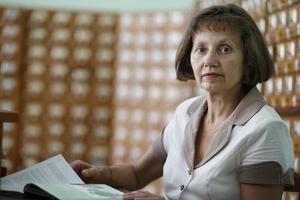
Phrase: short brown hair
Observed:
(257, 60)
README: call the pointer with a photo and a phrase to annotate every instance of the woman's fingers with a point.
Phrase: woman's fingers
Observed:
(91, 172)
(79, 165)
(97, 175)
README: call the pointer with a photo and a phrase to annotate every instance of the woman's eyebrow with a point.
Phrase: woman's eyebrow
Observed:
(200, 43)
(227, 41)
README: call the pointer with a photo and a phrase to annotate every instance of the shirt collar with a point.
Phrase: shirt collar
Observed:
(252, 102)
(249, 105)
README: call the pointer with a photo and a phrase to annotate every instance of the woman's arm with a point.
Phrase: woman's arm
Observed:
(148, 168)
(128, 176)
(261, 192)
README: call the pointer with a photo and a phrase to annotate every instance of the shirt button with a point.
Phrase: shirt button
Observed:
(181, 187)
(190, 172)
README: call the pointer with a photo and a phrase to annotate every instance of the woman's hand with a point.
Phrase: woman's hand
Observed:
(141, 195)
(91, 174)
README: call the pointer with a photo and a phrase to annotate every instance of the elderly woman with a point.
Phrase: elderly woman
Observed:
(225, 144)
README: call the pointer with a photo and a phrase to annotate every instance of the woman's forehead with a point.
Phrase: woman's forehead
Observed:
(216, 37)
(215, 25)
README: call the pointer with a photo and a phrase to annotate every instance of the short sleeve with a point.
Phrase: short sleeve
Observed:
(268, 156)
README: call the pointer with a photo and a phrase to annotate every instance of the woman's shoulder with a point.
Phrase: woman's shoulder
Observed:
(267, 118)
(268, 114)
(191, 104)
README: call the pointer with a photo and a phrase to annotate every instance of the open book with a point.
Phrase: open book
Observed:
(54, 178)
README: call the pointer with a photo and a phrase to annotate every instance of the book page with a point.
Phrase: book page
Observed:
(53, 170)
(82, 192)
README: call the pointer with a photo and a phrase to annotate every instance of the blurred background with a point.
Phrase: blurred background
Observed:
(95, 79)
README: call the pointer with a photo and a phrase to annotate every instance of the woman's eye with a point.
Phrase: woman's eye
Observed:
(225, 50)
(200, 50)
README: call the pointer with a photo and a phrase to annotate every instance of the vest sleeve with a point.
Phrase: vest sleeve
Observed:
(268, 156)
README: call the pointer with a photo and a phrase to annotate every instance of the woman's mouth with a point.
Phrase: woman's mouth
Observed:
(210, 75)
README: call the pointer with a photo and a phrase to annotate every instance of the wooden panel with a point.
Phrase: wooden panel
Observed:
(67, 90)
(146, 89)
(11, 56)
(8, 116)
(5, 116)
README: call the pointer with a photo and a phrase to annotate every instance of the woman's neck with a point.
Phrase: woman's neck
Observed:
(220, 106)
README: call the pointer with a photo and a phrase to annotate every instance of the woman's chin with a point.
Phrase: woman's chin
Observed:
(212, 88)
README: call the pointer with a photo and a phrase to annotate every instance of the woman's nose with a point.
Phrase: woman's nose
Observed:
(211, 59)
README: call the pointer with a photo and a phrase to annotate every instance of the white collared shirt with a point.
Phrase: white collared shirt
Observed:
(253, 146)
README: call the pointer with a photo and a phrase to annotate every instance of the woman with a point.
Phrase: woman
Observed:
(225, 144)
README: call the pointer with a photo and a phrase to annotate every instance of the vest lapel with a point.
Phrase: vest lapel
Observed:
(249, 105)
(219, 141)
(190, 131)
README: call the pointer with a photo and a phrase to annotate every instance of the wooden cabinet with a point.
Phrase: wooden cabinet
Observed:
(5, 116)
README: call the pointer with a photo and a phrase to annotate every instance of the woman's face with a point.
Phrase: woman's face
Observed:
(217, 61)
